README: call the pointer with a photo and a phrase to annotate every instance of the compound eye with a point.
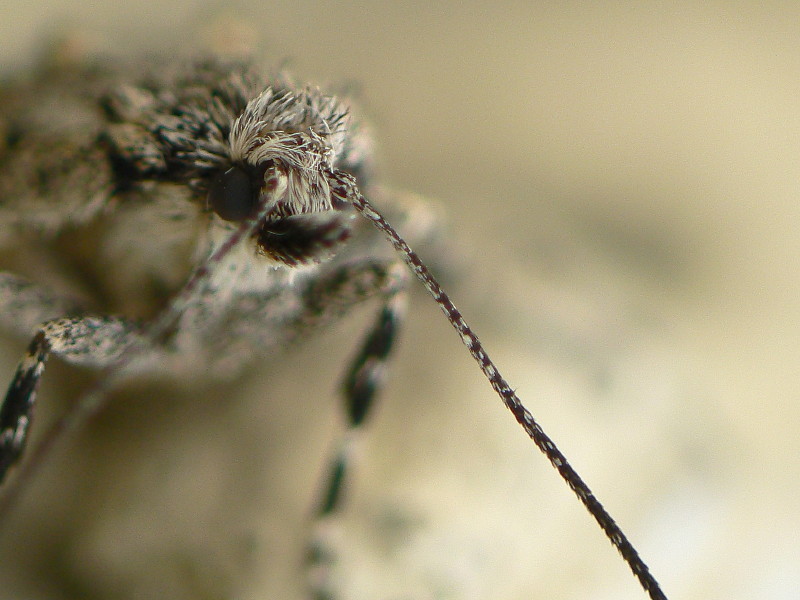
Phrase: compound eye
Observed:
(232, 194)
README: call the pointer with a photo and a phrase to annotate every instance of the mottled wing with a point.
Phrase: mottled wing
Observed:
(53, 169)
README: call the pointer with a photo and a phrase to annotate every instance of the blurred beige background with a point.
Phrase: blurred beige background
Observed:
(622, 182)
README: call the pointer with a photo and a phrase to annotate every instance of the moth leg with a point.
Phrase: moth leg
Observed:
(362, 383)
(90, 341)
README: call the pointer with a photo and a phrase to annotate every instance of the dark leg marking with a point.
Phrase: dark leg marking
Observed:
(364, 380)
(362, 383)
(16, 414)
(96, 341)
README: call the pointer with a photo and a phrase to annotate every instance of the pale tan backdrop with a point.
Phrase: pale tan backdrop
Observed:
(622, 181)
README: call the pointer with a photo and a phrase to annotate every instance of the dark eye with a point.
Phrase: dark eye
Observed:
(232, 194)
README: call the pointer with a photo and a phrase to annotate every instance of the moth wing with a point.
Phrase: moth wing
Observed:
(54, 170)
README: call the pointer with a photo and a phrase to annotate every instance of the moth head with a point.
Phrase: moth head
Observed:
(309, 216)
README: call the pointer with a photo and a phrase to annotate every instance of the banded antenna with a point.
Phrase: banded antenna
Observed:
(512, 401)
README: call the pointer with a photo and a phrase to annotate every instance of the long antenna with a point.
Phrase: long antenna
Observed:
(513, 403)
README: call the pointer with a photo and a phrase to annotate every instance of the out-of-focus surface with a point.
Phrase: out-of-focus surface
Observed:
(622, 181)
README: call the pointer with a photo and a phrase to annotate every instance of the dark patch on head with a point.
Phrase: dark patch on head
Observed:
(233, 194)
(303, 239)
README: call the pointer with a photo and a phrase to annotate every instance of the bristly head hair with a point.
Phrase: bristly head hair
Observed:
(238, 141)
(285, 144)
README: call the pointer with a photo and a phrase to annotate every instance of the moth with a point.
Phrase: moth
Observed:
(208, 212)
